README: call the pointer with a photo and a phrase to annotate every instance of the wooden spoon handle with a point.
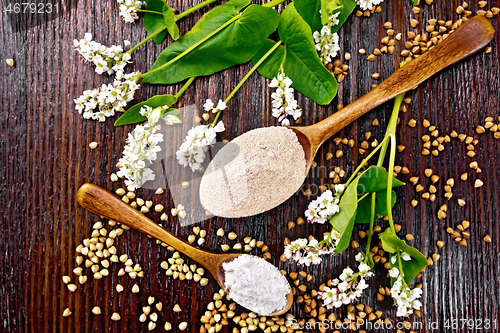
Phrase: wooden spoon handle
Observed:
(103, 203)
(470, 38)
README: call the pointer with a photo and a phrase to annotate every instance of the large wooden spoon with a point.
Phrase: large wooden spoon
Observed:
(470, 38)
(104, 203)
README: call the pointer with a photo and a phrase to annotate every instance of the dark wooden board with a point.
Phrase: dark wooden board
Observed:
(44, 158)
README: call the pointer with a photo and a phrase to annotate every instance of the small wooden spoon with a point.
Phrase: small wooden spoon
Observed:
(103, 203)
(470, 38)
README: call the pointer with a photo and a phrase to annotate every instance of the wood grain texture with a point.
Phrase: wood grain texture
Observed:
(45, 157)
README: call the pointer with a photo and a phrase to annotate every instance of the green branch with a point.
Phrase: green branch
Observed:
(273, 3)
(261, 60)
(193, 9)
(149, 11)
(210, 35)
(184, 87)
(147, 38)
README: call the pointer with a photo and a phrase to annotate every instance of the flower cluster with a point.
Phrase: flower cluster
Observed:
(307, 253)
(405, 299)
(198, 140)
(210, 106)
(327, 43)
(128, 9)
(142, 145)
(284, 103)
(109, 98)
(347, 288)
(106, 59)
(324, 207)
(368, 4)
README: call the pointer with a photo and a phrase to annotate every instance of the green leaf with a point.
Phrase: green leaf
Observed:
(343, 221)
(309, 10)
(154, 22)
(374, 179)
(412, 267)
(364, 206)
(345, 12)
(169, 19)
(236, 44)
(132, 115)
(329, 7)
(415, 2)
(299, 58)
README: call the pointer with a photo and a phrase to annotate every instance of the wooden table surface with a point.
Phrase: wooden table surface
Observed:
(44, 158)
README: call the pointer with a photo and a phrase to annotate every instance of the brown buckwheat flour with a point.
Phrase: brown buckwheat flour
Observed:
(255, 172)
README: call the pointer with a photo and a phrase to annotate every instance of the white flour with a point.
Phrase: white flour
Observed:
(255, 172)
(256, 284)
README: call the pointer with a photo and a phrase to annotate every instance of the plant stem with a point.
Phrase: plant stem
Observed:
(210, 35)
(370, 230)
(391, 130)
(147, 38)
(193, 9)
(185, 86)
(261, 60)
(177, 17)
(392, 158)
(149, 11)
(364, 161)
(363, 196)
(273, 3)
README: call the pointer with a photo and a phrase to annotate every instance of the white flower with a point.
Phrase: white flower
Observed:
(368, 4)
(307, 253)
(220, 105)
(106, 59)
(198, 140)
(324, 207)
(346, 288)
(142, 145)
(210, 106)
(405, 256)
(302, 252)
(128, 9)
(333, 19)
(394, 272)
(109, 98)
(327, 44)
(364, 268)
(284, 103)
(405, 299)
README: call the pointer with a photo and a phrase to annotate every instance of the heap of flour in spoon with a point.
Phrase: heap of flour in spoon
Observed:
(255, 172)
(256, 284)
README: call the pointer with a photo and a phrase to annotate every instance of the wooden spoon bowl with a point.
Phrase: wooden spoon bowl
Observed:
(105, 204)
